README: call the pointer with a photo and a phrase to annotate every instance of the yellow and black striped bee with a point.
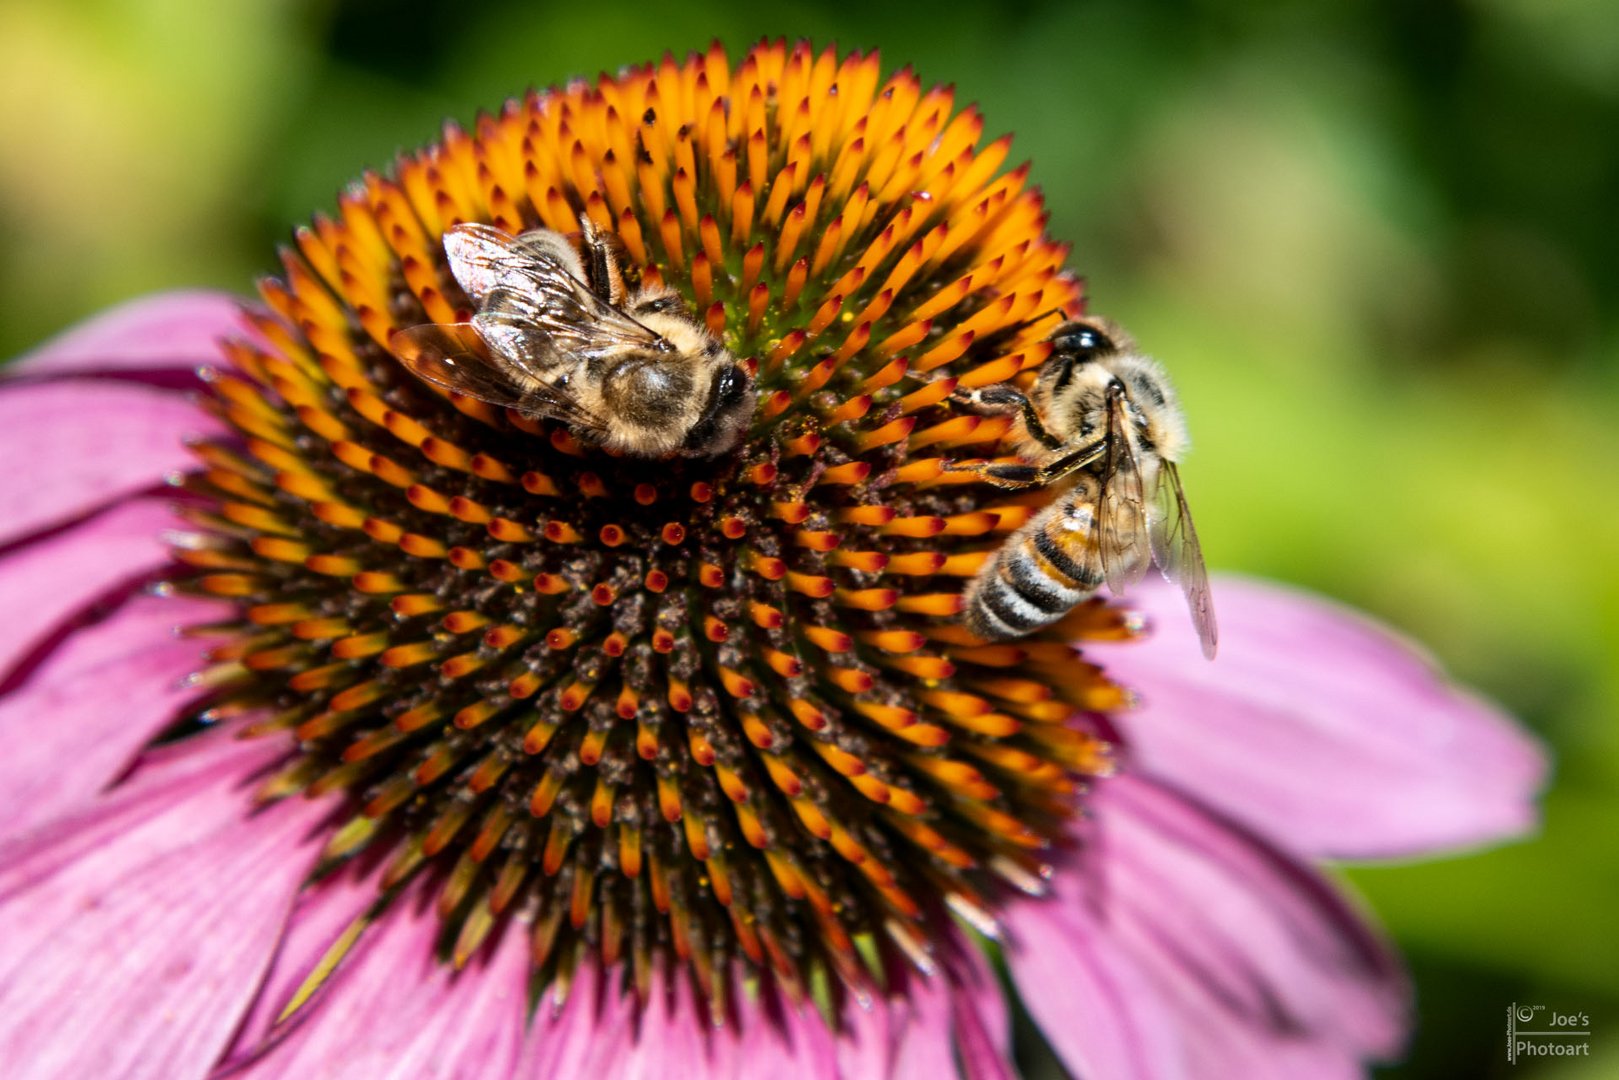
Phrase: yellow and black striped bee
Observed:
(562, 337)
(1103, 419)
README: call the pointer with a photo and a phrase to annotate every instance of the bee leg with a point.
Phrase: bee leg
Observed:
(602, 271)
(993, 400)
(1071, 462)
(1017, 476)
(1001, 399)
(1003, 474)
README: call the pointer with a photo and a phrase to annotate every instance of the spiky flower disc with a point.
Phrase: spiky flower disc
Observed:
(718, 713)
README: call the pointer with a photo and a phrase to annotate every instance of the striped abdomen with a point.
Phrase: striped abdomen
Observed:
(1038, 576)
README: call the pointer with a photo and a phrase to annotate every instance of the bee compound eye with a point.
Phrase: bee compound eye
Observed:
(729, 386)
(726, 392)
(1081, 342)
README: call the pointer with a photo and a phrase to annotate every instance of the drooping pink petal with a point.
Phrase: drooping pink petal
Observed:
(779, 1038)
(1320, 728)
(322, 914)
(926, 1046)
(85, 443)
(136, 931)
(670, 1029)
(1268, 933)
(865, 1045)
(1217, 1047)
(599, 1030)
(1100, 1014)
(58, 580)
(1228, 943)
(395, 1010)
(585, 1031)
(166, 331)
(78, 720)
(977, 1012)
(672, 1036)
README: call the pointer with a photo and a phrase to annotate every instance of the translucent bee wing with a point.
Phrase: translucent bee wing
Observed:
(1179, 555)
(508, 325)
(483, 258)
(562, 324)
(454, 357)
(1121, 507)
(537, 279)
(516, 339)
(458, 357)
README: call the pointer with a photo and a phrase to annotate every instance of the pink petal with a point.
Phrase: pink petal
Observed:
(1320, 728)
(1268, 935)
(583, 1032)
(673, 1034)
(137, 931)
(79, 720)
(395, 1010)
(57, 580)
(865, 1045)
(774, 1037)
(86, 443)
(672, 1037)
(175, 330)
(978, 1013)
(1096, 1009)
(320, 916)
(1217, 1047)
(925, 1046)
(599, 1030)
(1234, 952)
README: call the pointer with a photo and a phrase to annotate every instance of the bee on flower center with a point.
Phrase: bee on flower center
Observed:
(562, 337)
(1102, 419)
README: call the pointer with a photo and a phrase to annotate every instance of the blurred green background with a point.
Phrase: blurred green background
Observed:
(1377, 242)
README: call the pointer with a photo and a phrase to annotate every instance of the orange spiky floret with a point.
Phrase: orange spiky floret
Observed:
(710, 710)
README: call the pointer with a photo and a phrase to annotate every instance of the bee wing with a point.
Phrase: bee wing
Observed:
(453, 356)
(458, 357)
(557, 326)
(510, 331)
(483, 258)
(534, 284)
(1178, 554)
(1121, 506)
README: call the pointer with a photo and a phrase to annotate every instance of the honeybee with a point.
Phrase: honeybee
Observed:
(562, 337)
(1103, 418)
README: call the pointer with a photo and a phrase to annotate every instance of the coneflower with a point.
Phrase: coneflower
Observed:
(687, 757)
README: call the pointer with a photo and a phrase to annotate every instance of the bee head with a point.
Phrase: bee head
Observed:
(1093, 364)
(710, 409)
(1076, 344)
(727, 410)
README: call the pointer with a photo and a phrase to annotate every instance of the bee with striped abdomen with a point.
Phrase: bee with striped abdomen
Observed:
(1103, 419)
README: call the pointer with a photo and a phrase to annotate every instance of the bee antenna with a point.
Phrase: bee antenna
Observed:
(1034, 319)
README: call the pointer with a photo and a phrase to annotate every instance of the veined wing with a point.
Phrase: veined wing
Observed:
(549, 332)
(483, 258)
(1121, 506)
(453, 356)
(1179, 555)
(538, 279)
(456, 357)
